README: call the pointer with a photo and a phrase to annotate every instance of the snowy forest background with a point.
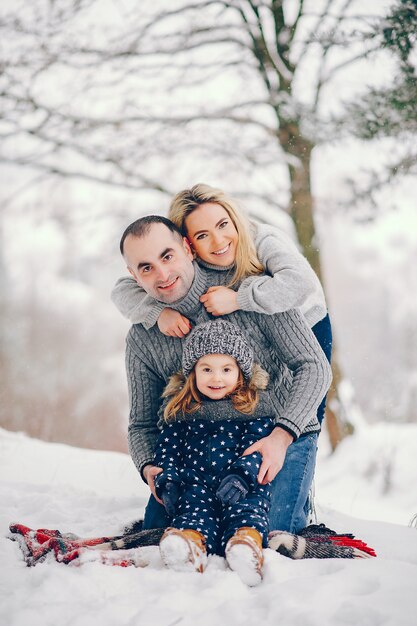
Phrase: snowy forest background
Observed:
(108, 108)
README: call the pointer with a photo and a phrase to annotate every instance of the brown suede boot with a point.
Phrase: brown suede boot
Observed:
(244, 555)
(183, 550)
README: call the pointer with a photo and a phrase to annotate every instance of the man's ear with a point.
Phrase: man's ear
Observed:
(187, 247)
(133, 274)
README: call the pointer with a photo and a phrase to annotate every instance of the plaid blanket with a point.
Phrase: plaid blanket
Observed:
(315, 541)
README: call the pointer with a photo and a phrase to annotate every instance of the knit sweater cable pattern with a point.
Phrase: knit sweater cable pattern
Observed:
(283, 344)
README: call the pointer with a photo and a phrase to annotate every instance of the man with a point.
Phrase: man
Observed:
(160, 260)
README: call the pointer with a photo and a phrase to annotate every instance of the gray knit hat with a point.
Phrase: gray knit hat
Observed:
(217, 337)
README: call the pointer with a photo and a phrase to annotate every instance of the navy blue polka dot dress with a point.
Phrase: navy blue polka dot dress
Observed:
(197, 454)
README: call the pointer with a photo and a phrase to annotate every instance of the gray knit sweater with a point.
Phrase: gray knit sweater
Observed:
(283, 344)
(290, 283)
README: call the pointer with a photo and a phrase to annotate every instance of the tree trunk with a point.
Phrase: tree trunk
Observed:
(301, 211)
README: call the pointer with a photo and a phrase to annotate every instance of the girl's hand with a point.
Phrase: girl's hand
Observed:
(173, 324)
(220, 300)
(273, 450)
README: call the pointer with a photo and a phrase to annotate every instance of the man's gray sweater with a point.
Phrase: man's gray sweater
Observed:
(283, 344)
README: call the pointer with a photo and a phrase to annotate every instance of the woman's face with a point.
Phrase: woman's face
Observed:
(212, 234)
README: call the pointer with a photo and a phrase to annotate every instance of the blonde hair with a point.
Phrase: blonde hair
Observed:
(186, 201)
(187, 399)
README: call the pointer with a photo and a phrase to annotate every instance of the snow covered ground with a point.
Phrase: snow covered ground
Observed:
(91, 492)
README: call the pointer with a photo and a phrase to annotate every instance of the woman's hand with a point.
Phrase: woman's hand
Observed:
(273, 450)
(220, 300)
(173, 324)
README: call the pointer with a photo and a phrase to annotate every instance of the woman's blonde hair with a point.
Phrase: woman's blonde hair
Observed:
(186, 201)
(244, 398)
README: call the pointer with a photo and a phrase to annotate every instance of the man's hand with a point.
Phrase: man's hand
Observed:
(173, 324)
(149, 473)
(273, 450)
(220, 300)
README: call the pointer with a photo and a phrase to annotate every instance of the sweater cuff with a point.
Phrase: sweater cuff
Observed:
(153, 314)
(244, 299)
(142, 467)
(289, 427)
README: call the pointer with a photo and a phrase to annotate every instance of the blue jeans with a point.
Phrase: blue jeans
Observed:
(155, 515)
(290, 491)
(290, 501)
(323, 333)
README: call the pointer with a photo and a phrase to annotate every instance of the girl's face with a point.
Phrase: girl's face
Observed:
(216, 375)
(212, 234)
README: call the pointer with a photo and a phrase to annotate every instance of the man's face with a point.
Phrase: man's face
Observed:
(161, 263)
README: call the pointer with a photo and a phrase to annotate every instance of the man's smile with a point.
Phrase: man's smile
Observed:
(168, 285)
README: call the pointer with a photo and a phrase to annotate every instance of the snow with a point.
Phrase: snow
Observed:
(95, 492)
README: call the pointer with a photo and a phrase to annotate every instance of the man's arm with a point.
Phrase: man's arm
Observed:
(302, 354)
(134, 303)
(297, 348)
(145, 389)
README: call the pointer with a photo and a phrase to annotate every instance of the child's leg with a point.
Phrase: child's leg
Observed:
(199, 509)
(195, 530)
(245, 532)
(252, 511)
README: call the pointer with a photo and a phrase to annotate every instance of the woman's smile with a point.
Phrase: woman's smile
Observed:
(223, 250)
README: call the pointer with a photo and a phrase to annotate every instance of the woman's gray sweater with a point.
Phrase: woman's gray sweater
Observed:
(290, 283)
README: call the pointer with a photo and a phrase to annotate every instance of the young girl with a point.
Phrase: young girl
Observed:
(214, 409)
(223, 240)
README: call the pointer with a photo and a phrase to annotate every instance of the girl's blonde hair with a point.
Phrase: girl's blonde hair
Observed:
(188, 399)
(186, 201)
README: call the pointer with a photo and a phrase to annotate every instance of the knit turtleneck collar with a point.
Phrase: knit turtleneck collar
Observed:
(190, 303)
(217, 268)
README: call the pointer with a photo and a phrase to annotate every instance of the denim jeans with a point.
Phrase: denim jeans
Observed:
(290, 491)
(323, 333)
(290, 488)
(155, 515)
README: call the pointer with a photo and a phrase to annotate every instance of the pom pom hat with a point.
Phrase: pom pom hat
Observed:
(217, 337)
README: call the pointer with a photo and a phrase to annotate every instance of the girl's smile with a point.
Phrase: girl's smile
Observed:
(212, 234)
